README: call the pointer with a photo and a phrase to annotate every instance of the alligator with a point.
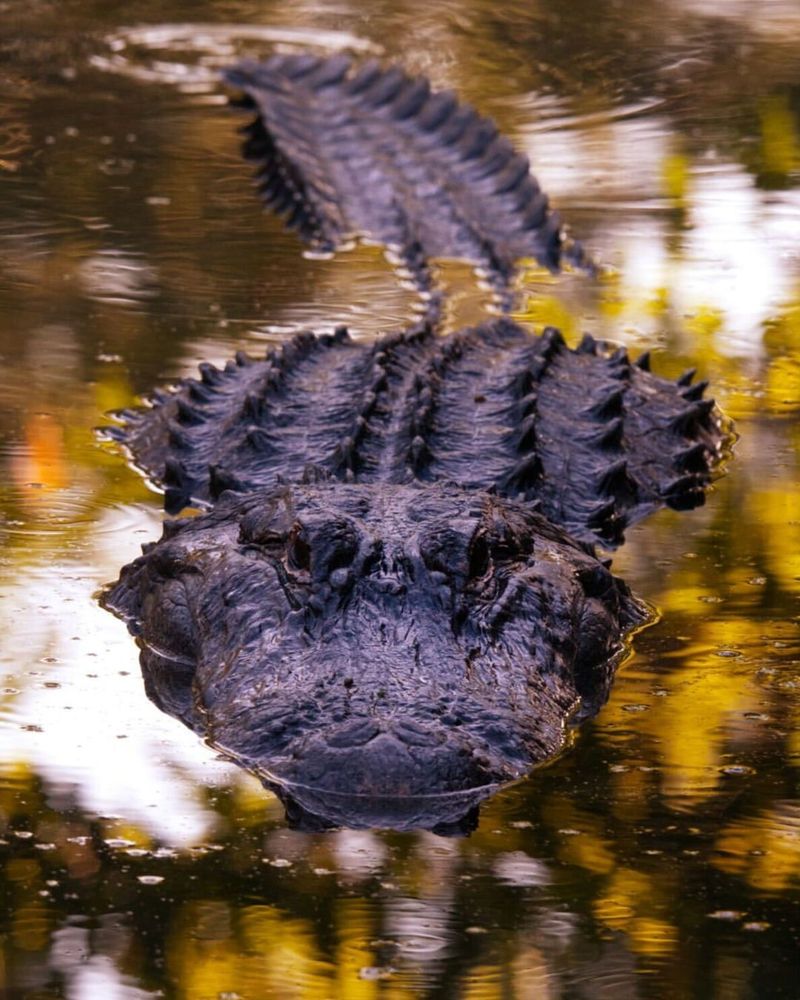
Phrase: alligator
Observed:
(390, 601)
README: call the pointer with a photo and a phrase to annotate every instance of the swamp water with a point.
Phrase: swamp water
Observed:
(660, 856)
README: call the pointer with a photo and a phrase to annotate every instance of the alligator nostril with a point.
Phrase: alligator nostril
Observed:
(353, 734)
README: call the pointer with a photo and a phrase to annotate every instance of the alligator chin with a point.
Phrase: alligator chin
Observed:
(448, 813)
(385, 782)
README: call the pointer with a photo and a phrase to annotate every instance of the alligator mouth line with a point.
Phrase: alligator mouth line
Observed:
(463, 793)
(267, 776)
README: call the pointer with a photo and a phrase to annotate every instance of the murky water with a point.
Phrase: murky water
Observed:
(660, 856)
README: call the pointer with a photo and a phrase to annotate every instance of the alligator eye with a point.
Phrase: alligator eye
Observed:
(478, 557)
(299, 553)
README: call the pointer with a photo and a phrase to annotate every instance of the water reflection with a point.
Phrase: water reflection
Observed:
(657, 858)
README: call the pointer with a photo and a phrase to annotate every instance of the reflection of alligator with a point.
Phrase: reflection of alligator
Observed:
(404, 627)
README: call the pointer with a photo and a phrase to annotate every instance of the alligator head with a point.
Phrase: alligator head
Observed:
(380, 657)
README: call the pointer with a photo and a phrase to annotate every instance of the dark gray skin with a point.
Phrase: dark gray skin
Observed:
(345, 149)
(594, 439)
(379, 657)
(385, 648)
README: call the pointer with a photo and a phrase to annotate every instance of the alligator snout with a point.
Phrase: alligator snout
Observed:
(389, 585)
(393, 773)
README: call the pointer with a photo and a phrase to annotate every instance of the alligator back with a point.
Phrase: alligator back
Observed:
(595, 439)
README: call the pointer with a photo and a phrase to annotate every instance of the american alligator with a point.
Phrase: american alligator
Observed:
(393, 603)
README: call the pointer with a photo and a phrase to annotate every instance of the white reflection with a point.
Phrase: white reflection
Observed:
(358, 853)
(82, 720)
(518, 868)
(132, 50)
(615, 154)
(89, 977)
(99, 979)
(113, 276)
(423, 928)
(732, 261)
(732, 254)
(765, 17)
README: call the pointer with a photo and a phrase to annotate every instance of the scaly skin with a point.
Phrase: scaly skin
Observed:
(595, 440)
(344, 150)
(383, 657)
(419, 618)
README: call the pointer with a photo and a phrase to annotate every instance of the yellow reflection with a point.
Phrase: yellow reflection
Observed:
(354, 925)
(43, 464)
(30, 929)
(112, 390)
(765, 848)
(548, 310)
(675, 178)
(627, 903)
(260, 953)
(652, 937)
(690, 724)
(582, 838)
(775, 512)
(780, 145)
(483, 982)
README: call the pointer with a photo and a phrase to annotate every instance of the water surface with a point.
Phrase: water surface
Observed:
(660, 856)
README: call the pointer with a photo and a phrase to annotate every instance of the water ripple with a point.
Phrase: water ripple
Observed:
(132, 51)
